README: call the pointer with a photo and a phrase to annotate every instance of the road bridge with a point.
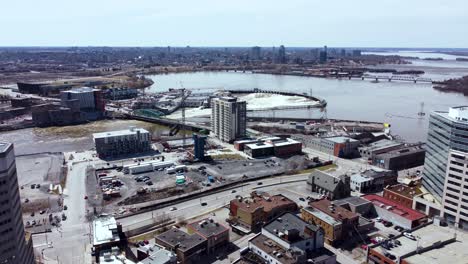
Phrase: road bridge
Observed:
(404, 78)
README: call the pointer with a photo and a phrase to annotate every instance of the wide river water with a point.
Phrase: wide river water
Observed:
(394, 102)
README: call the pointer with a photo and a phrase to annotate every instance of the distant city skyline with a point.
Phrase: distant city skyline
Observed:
(206, 23)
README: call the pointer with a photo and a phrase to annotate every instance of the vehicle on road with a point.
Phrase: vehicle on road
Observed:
(64, 217)
(32, 214)
(378, 219)
(301, 199)
(149, 183)
(259, 183)
(388, 224)
(42, 212)
(173, 209)
(203, 204)
(233, 191)
(65, 207)
(399, 228)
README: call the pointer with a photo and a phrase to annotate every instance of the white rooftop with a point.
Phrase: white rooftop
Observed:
(105, 230)
(341, 139)
(459, 113)
(126, 132)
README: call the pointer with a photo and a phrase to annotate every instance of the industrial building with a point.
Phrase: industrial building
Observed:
(378, 147)
(122, 142)
(331, 186)
(455, 197)
(249, 214)
(289, 239)
(447, 131)
(400, 159)
(337, 146)
(16, 245)
(107, 235)
(120, 93)
(228, 118)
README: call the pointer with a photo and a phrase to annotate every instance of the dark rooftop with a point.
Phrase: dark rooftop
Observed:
(290, 227)
(404, 190)
(4, 146)
(353, 200)
(207, 227)
(337, 212)
(175, 237)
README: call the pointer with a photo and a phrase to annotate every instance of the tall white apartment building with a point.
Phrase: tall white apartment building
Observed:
(15, 246)
(228, 118)
(455, 198)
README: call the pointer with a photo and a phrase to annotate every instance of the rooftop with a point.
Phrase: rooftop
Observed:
(353, 200)
(382, 144)
(340, 139)
(451, 252)
(325, 180)
(403, 151)
(337, 212)
(207, 227)
(82, 90)
(394, 207)
(4, 146)
(105, 230)
(157, 255)
(404, 190)
(174, 237)
(125, 132)
(265, 201)
(321, 215)
(259, 145)
(290, 228)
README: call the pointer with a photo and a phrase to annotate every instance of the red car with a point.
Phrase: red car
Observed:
(364, 247)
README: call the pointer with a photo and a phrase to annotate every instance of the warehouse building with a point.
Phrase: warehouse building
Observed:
(337, 146)
(401, 159)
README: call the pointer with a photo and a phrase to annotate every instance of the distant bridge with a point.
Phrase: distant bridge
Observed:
(390, 78)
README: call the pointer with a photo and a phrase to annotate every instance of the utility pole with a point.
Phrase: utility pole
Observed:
(182, 105)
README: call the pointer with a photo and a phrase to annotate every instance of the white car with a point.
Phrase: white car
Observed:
(409, 235)
(173, 209)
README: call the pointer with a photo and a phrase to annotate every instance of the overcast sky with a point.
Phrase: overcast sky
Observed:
(358, 23)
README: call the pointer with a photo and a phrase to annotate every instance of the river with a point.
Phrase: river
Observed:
(394, 102)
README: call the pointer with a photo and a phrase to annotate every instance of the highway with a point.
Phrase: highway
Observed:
(193, 208)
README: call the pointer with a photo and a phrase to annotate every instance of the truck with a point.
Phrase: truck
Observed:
(170, 170)
(141, 168)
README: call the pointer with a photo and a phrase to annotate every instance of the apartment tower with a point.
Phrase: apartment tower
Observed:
(228, 118)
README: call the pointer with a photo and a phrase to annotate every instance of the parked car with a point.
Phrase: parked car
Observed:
(373, 241)
(301, 199)
(259, 183)
(203, 204)
(399, 228)
(173, 209)
(233, 191)
(409, 235)
(149, 183)
(364, 247)
(32, 214)
(65, 207)
(388, 224)
(378, 219)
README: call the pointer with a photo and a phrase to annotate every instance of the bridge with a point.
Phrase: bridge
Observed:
(390, 78)
(166, 122)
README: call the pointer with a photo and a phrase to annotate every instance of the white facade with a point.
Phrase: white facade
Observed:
(14, 248)
(228, 118)
(459, 113)
(455, 199)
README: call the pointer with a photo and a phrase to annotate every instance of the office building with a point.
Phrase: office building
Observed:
(15, 244)
(401, 158)
(88, 98)
(288, 239)
(228, 118)
(249, 214)
(256, 53)
(116, 143)
(282, 55)
(447, 131)
(216, 234)
(455, 197)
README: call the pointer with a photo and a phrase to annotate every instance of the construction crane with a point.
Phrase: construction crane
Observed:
(182, 105)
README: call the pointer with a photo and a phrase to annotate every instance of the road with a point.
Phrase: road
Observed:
(70, 242)
(185, 210)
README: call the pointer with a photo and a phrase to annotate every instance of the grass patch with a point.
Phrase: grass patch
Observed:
(327, 167)
(227, 157)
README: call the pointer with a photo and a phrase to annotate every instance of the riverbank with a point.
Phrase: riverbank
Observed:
(459, 85)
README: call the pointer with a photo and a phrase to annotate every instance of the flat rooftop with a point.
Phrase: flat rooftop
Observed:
(105, 230)
(353, 200)
(207, 227)
(453, 252)
(174, 237)
(288, 222)
(125, 132)
(321, 215)
(268, 202)
(260, 145)
(338, 213)
(404, 190)
(4, 146)
(341, 139)
(394, 207)
(382, 144)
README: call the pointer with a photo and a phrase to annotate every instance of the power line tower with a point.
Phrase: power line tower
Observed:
(421, 112)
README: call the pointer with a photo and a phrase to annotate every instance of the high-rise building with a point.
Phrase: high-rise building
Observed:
(455, 199)
(256, 53)
(15, 245)
(323, 55)
(282, 55)
(228, 118)
(199, 147)
(116, 143)
(447, 131)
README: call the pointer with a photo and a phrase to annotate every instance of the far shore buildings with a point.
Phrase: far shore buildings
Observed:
(228, 118)
(122, 142)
